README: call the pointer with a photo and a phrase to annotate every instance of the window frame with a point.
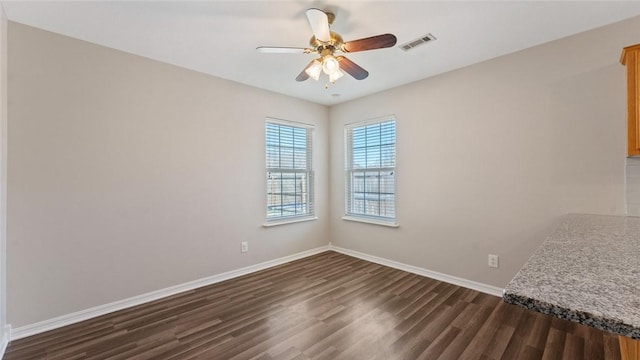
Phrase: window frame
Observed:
(309, 213)
(349, 169)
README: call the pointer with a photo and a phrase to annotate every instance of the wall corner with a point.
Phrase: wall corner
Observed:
(4, 339)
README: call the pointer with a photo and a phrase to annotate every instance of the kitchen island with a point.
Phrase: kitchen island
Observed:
(587, 271)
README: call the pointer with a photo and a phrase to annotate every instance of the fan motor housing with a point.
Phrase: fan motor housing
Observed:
(335, 43)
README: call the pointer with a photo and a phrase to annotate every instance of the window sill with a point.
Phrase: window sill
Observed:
(371, 221)
(288, 221)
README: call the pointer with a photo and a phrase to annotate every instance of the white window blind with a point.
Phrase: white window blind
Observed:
(289, 171)
(370, 184)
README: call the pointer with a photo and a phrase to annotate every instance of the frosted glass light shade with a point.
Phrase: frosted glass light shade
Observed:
(337, 74)
(314, 70)
(330, 64)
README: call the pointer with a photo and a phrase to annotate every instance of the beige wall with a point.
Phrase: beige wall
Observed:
(490, 156)
(633, 186)
(3, 174)
(127, 175)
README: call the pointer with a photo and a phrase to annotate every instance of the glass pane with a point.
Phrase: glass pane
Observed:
(300, 137)
(287, 194)
(387, 195)
(273, 159)
(359, 158)
(300, 158)
(286, 157)
(358, 204)
(373, 157)
(373, 135)
(358, 136)
(274, 192)
(288, 148)
(388, 133)
(373, 193)
(357, 182)
(388, 156)
(372, 147)
(371, 182)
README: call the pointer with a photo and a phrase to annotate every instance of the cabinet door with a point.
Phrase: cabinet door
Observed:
(631, 58)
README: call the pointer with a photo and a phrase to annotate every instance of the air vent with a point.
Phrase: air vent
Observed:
(417, 42)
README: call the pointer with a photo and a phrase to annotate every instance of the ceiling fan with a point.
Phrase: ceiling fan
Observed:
(327, 43)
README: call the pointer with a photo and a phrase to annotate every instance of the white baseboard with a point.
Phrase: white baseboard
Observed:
(46, 325)
(469, 284)
(4, 340)
(51, 324)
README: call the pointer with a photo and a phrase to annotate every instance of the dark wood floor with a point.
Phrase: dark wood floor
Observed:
(328, 306)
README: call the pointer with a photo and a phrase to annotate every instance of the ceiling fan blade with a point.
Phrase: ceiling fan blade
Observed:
(370, 43)
(282, 50)
(352, 68)
(303, 75)
(319, 22)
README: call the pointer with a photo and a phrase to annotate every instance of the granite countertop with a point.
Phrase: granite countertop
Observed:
(587, 271)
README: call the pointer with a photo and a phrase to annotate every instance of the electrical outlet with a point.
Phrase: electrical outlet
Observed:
(493, 261)
(244, 246)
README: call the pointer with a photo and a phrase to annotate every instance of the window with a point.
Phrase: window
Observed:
(289, 170)
(370, 184)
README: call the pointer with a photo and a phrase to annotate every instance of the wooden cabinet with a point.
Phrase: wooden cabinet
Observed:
(631, 59)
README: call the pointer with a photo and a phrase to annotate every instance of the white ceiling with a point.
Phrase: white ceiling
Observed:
(220, 37)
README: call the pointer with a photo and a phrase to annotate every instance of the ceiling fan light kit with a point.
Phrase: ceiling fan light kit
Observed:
(329, 64)
(335, 76)
(326, 43)
(314, 69)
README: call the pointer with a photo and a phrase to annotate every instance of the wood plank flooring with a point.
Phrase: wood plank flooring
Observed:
(327, 306)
